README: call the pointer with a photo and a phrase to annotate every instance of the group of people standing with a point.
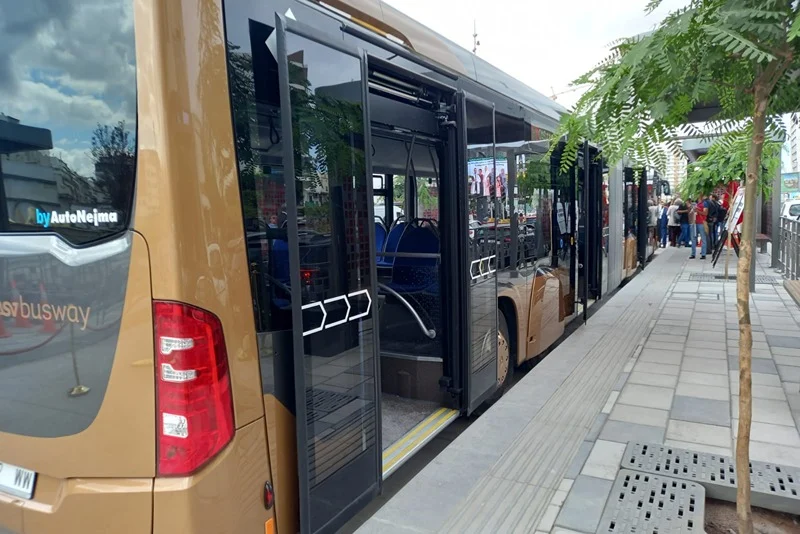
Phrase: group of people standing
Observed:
(682, 222)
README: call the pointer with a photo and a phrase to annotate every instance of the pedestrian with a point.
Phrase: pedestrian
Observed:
(713, 218)
(673, 222)
(652, 222)
(663, 224)
(683, 216)
(700, 213)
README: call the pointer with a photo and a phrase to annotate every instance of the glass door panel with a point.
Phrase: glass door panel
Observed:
(484, 211)
(331, 251)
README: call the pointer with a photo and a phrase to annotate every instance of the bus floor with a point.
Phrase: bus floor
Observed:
(407, 425)
(400, 415)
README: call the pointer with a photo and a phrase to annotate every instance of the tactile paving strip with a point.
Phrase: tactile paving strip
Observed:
(642, 503)
(773, 486)
(710, 277)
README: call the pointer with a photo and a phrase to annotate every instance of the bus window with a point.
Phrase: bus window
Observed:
(67, 167)
(252, 74)
(67, 122)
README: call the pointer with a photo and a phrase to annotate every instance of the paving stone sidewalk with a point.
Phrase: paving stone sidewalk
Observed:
(657, 363)
(682, 388)
(510, 470)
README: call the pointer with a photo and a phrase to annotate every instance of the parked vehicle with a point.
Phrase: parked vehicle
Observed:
(791, 208)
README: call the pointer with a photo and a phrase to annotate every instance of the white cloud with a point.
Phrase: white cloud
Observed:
(77, 159)
(49, 106)
(543, 44)
(67, 66)
(80, 49)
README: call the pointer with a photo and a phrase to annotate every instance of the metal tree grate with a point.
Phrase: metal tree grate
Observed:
(711, 277)
(773, 486)
(642, 503)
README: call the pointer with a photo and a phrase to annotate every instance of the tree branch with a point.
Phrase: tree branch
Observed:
(776, 68)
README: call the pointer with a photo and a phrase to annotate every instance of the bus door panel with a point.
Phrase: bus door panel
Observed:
(330, 230)
(478, 127)
(564, 229)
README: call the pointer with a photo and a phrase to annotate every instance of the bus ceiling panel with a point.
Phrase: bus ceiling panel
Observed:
(480, 121)
(508, 129)
(509, 106)
(389, 157)
(384, 110)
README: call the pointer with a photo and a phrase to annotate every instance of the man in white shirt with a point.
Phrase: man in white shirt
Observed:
(673, 222)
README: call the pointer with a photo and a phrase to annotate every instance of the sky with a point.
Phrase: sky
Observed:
(544, 44)
(540, 42)
(61, 70)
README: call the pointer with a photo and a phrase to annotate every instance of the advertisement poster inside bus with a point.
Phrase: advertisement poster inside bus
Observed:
(488, 177)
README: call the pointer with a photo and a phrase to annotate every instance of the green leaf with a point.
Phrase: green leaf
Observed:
(652, 5)
(737, 43)
(794, 31)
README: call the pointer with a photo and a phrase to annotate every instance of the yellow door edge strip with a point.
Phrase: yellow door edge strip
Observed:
(411, 433)
(448, 416)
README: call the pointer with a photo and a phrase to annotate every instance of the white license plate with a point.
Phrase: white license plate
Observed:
(17, 481)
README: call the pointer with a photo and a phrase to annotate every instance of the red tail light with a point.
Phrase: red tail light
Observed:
(193, 388)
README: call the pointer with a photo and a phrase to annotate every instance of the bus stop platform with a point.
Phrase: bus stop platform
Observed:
(657, 364)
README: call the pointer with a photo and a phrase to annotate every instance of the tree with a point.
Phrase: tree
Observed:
(113, 154)
(723, 164)
(535, 176)
(740, 55)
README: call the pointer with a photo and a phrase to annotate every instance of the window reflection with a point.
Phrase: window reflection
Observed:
(326, 92)
(67, 118)
(485, 248)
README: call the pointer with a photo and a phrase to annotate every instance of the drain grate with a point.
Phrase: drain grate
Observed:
(773, 486)
(711, 277)
(653, 504)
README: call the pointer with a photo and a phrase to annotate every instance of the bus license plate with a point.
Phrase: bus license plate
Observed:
(17, 481)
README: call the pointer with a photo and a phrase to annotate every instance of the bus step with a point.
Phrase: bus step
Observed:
(399, 452)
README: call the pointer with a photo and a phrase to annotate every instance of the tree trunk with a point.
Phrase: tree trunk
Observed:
(743, 306)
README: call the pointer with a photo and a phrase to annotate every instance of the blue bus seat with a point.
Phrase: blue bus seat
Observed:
(413, 275)
(380, 237)
(391, 244)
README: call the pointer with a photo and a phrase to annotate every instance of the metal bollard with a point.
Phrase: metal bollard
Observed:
(791, 252)
(796, 244)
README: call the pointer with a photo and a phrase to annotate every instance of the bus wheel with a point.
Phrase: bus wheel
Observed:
(504, 367)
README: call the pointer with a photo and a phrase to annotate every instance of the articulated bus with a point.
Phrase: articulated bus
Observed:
(256, 253)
